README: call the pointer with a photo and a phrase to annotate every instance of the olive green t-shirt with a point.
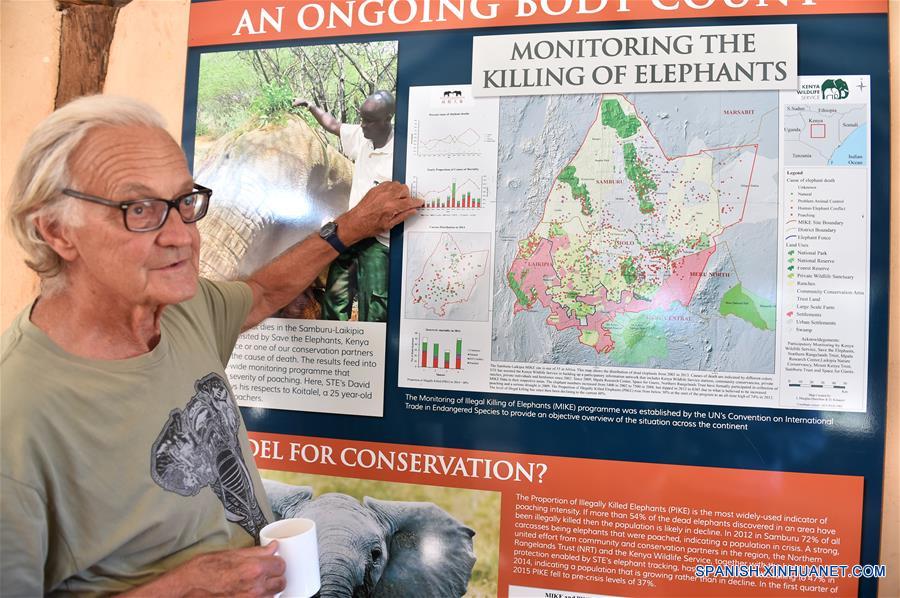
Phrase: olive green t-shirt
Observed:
(114, 472)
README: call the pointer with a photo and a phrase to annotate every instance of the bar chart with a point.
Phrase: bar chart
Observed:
(455, 194)
(439, 352)
(436, 350)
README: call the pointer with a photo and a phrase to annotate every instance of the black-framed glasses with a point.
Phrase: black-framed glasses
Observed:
(146, 215)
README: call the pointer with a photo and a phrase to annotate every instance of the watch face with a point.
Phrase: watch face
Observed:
(327, 229)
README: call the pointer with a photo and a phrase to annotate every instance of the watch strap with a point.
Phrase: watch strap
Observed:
(329, 233)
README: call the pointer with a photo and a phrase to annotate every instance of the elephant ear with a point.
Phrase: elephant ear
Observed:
(430, 553)
(286, 500)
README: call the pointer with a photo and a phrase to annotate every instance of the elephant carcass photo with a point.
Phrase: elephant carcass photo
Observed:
(272, 187)
(381, 548)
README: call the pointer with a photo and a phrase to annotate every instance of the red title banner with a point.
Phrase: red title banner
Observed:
(247, 21)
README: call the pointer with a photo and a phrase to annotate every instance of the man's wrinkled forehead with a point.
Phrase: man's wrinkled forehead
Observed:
(129, 159)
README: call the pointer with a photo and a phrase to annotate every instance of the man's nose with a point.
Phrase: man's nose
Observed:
(175, 232)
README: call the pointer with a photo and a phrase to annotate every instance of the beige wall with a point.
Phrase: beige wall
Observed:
(148, 61)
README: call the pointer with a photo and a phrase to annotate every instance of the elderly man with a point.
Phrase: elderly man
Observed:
(125, 462)
(361, 271)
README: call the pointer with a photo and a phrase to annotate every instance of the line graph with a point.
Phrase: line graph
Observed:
(453, 143)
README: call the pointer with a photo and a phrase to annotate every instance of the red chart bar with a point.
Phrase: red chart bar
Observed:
(435, 355)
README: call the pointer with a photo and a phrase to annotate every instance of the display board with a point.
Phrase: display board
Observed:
(636, 339)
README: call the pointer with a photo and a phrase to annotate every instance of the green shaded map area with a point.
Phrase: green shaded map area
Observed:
(639, 175)
(638, 337)
(579, 189)
(523, 299)
(665, 249)
(629, 270)
(612, 115)
(756, 310)
(698, 243)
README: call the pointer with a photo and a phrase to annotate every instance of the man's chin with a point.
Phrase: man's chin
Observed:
(178, 291)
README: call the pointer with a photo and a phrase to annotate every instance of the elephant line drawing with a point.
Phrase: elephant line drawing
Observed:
(198, 447)
(835, 89)
(381, 548)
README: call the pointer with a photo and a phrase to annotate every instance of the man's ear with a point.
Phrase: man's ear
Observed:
(58, 237)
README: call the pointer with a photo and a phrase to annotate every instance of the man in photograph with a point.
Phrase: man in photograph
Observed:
(361, 272)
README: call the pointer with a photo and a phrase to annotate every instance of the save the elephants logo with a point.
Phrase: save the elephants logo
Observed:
(834, 89)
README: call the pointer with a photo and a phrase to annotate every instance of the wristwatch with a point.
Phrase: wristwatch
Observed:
(328, 232)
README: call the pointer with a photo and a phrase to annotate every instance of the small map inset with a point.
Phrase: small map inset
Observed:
(825, 135)
(446, 276)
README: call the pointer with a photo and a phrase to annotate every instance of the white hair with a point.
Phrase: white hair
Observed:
(43, 172)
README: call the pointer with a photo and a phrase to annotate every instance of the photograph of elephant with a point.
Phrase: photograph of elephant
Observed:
(278, 172)
(383, 539)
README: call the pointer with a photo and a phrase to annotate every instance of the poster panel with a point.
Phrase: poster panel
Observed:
(540, 524)
(636, 337)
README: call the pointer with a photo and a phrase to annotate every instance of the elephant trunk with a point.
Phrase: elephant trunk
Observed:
(341, 577)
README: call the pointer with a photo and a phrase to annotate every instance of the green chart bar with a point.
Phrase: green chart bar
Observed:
(436, 353)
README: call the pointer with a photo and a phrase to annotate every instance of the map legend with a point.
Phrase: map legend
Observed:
(824, 278)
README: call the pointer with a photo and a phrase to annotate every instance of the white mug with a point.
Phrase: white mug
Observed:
(298, 546)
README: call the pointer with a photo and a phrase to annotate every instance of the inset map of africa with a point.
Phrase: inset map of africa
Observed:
(638, 230)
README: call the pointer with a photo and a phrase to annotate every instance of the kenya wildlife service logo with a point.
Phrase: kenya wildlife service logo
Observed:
(834, 89)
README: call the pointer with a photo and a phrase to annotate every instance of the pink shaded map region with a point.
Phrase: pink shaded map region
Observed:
(538, 274)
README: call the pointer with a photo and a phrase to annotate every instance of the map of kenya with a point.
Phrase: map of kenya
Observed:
(448, 277)
(627, 229)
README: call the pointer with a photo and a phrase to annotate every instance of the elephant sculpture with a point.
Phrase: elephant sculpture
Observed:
(272, 187)
(837, 87)
(381, 548)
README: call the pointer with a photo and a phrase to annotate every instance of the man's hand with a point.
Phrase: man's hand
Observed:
(246, 572)
(328, 122)
(381, 209)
